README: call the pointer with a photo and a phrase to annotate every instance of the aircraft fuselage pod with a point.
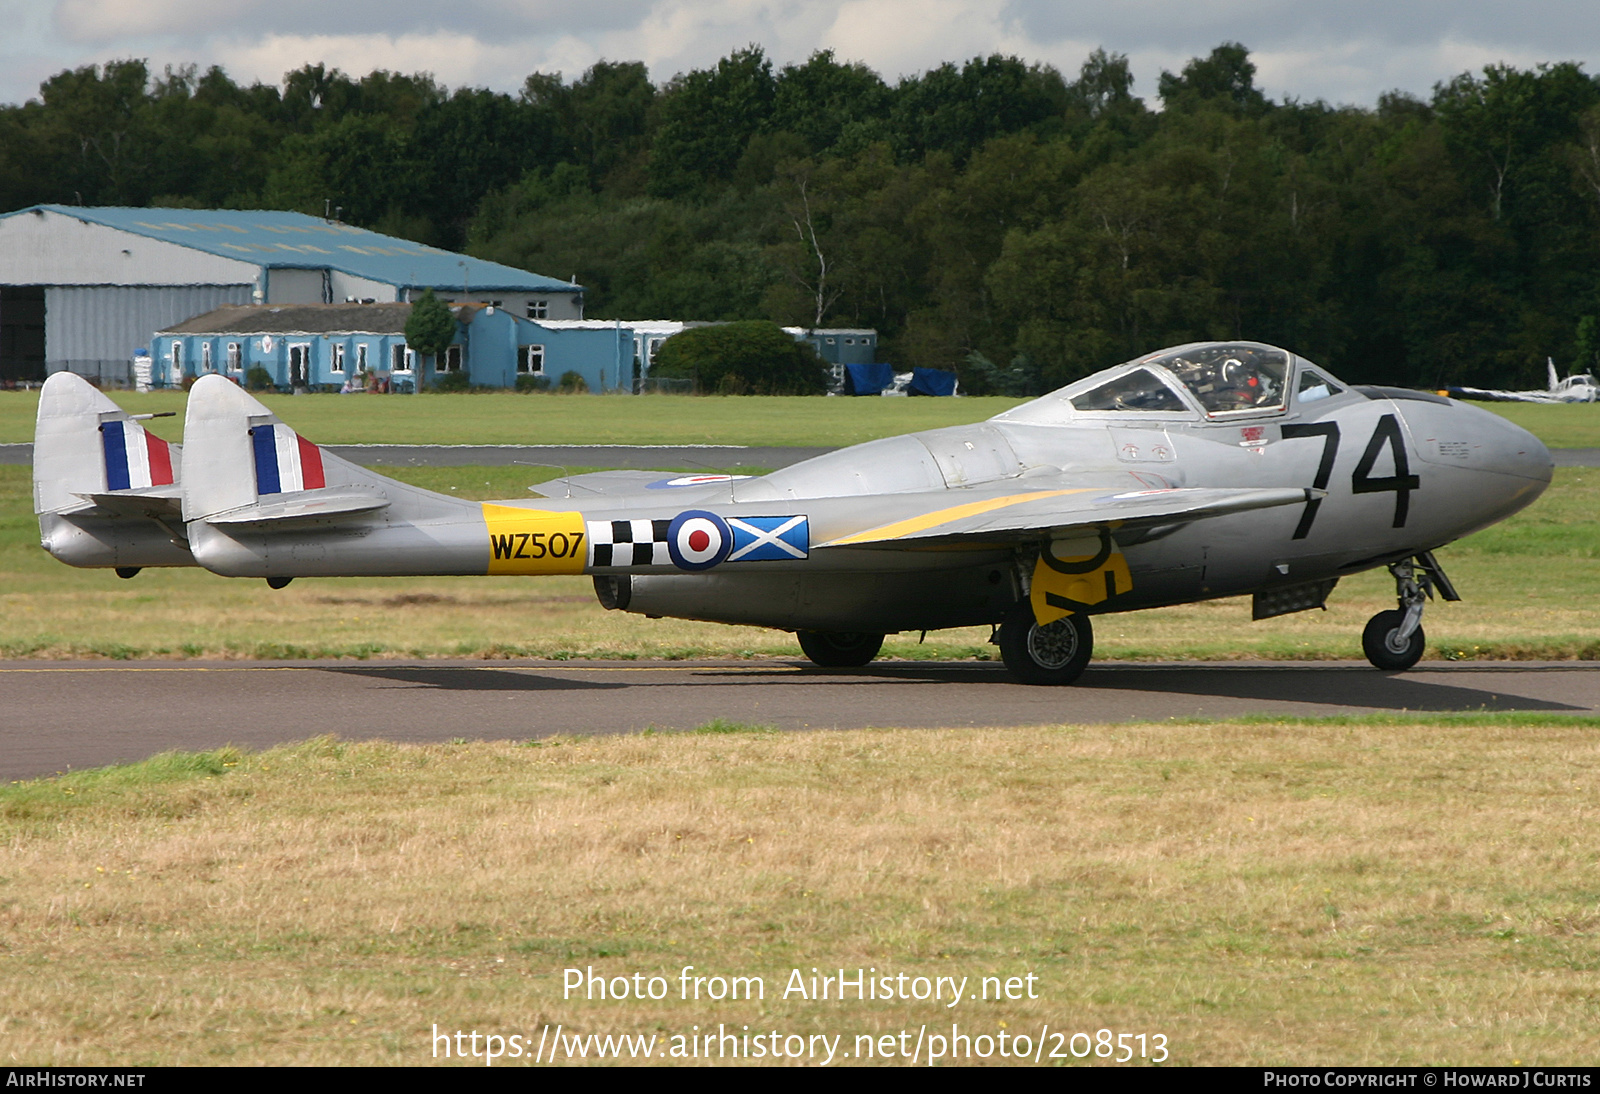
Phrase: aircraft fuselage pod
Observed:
(1208, 470)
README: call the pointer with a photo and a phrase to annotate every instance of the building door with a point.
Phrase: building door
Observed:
(21, 333)
(299, 365)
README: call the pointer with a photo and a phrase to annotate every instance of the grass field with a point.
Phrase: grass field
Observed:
(1532, 589)
(564, 419)
(656, 419)
(1400, 891)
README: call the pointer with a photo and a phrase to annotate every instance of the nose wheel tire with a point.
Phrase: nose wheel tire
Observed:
(1383, 647)
(839, 649)
(1054, 654)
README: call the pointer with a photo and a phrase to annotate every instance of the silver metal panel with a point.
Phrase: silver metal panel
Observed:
(970, 454)
(49, 248)
(108, 322)
(297, 287)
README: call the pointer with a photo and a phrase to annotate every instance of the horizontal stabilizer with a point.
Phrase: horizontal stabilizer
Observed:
(1011, 518)
(310, 506)
(158, 502)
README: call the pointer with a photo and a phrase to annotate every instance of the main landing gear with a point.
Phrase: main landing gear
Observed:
(1393, 641)
(839, 649)
(1056, 653)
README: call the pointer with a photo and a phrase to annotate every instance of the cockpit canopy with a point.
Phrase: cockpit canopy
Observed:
(1226, 376)
(1219, 379)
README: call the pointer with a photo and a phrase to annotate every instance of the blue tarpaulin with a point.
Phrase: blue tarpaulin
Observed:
(867, 379)
(931, 381)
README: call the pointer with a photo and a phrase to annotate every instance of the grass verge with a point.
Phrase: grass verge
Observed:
(655, 419)
(1356, 891)
(564, 419)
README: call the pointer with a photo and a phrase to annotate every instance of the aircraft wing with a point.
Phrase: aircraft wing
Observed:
(1010, 518)
(1488, 395)
(598, 483)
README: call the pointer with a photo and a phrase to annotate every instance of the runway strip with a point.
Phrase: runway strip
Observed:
(59, 716)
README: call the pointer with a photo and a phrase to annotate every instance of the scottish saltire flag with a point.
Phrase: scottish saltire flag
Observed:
(768, 539)
(135, 458)
(286, 462)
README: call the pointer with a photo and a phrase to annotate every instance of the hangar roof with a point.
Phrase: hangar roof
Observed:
(293, 240)
(297, 319)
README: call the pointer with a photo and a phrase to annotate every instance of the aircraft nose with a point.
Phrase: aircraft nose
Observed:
(1518, 452)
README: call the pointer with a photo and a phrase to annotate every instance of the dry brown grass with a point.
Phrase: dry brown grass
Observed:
(1260, 893)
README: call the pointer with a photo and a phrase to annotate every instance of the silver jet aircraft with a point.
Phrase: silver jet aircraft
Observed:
(1577, 388)
(1208, 470)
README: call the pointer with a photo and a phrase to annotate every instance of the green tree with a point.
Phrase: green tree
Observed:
(955, 110)
(1226, 78)
(749, 358)
(430, 328)
(826, 103)
(705, 120)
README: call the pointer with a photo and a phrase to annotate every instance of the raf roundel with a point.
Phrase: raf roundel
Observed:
(698, 540)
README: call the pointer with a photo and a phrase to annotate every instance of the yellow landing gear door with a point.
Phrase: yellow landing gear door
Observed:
(1073, 575)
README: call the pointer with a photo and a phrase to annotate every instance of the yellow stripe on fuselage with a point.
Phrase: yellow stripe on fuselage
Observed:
(912, 525)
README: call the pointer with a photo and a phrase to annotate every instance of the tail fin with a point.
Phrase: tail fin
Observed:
(104, 488)
(262, 501)
(1550, 364)
(248, 468)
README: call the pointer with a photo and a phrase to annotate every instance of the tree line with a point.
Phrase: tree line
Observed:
(994, 217)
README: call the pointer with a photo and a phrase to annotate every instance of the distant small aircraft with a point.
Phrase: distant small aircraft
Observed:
(1207, 470)
(1577, 388)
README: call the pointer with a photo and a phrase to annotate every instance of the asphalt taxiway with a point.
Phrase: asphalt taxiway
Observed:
(60, 716)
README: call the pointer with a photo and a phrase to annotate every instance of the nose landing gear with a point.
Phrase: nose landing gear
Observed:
(1393, 641)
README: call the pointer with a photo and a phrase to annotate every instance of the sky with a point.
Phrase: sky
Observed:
(1340, 51)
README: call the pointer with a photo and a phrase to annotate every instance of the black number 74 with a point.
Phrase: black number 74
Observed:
(1402, 482)
(1329, 432)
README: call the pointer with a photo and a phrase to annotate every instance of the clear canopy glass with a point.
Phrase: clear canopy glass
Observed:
(1140, 389)
(1229, 376)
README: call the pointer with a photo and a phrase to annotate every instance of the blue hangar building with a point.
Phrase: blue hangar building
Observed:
(82, 288)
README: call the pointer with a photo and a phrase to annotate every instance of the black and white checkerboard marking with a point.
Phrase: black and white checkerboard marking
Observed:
(628, 543)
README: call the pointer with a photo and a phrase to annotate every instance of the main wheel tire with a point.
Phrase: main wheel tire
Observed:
(1056, 653)
(1378, 642)
(839, 649)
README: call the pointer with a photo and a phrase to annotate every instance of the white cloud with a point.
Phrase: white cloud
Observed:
(454, 59)
(199, 20)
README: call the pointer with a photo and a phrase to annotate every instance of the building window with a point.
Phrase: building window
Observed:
(531, 360)
(336, 362)
(452, 358)
(829, 341)
(177, 360)
(361, 357)
(235, 358)
(205, 357)
(300, 364)
(538, 309)
(401, 358)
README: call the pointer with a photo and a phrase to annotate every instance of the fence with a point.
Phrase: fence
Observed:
(103, 374)
(663, 385)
